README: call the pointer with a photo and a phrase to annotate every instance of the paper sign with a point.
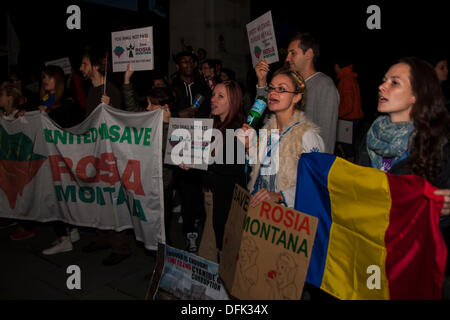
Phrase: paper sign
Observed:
(182, 275)
(266, 250)
(344, 131)
(134, 47)
(261, 37)
(186, 142)
(64, 63)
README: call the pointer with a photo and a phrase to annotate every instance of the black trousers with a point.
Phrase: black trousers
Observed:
(190, 186)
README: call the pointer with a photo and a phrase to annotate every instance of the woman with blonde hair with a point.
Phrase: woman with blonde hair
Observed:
(296, 135)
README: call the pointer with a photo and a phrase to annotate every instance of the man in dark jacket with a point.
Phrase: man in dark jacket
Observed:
(186, 87)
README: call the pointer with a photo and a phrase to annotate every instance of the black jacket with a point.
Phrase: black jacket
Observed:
(185, 94)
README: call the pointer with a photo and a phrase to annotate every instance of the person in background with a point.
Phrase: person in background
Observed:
(208, 69)
(440, 65)
(157, 98)
(93, 67)
(350, 108)
(93, 64)
(61, 108)
(322, 98)
(227, 74)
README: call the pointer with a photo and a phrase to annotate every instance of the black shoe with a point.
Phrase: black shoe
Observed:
(114, 258)
(93, 246)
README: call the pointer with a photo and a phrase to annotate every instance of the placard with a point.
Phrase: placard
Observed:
(266, 250)
(133, 47)
(64, 63)
(261, 37)
(187, 142)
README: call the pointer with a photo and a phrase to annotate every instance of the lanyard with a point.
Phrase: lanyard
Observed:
(269, 153)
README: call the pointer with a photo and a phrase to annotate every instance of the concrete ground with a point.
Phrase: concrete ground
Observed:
(26, 274)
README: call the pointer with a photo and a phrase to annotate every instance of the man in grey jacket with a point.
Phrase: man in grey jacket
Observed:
(322, 97)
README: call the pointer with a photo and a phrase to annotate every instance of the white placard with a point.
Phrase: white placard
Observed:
(134, 47)
(344, 131)
(186, 142)
(261, 37)
(64, 63)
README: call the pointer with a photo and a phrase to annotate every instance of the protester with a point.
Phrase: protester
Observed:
(322, 98)
(93, 67)
(157, 98)
(208, 69)
(413, 136)
(228, 113)
(11, 100)
(350, 108)
(189, 183)
(227, 74)
(440, 65)
(62, 109)
(296, 136)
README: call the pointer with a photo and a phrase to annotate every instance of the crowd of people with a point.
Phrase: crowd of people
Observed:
(411, 136)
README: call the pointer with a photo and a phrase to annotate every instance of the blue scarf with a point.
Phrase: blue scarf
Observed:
(387, 139)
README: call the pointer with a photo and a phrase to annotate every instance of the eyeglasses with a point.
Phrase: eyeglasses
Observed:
(279, 90)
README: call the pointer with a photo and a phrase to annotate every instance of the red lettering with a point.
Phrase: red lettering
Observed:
(265, 208)
(304, 225)
(289, 214)
(81, 170)
(57, 169)
(277, 208)
(108, 163)
(133, 168)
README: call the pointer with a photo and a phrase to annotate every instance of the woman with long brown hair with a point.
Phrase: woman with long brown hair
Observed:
(413, 136)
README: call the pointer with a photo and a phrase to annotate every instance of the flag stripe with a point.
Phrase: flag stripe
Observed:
(360, 215)
(413, 251)
(316, 202)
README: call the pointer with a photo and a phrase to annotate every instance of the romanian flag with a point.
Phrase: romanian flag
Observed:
(378, 235)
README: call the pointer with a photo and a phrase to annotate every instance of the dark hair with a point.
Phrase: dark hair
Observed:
(160, 96)
(430, 118)
(57, 74)
(297, 81)
(210, 63)
(307, 41)
(435, 59)
(179, 55)
(236, 115)
(97, 58)
(230, 73)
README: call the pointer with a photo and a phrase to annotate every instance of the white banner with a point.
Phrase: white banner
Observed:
(133, 47)
(105, 173)
(261, 37)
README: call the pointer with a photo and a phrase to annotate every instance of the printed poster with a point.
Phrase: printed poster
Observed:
(134, 47)
(261, 37)
(188, 143)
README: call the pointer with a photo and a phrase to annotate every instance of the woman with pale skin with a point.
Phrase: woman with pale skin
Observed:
(297, 135)
(413, 136)
(228, 113)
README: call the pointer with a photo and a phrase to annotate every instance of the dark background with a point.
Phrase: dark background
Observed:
(407, 28)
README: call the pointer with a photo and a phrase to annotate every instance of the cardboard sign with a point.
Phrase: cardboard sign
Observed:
(344, 131)
(181, 275)
(133, 47)
(266, 250)
(64, 63)
(186, 142)
(261, 37)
